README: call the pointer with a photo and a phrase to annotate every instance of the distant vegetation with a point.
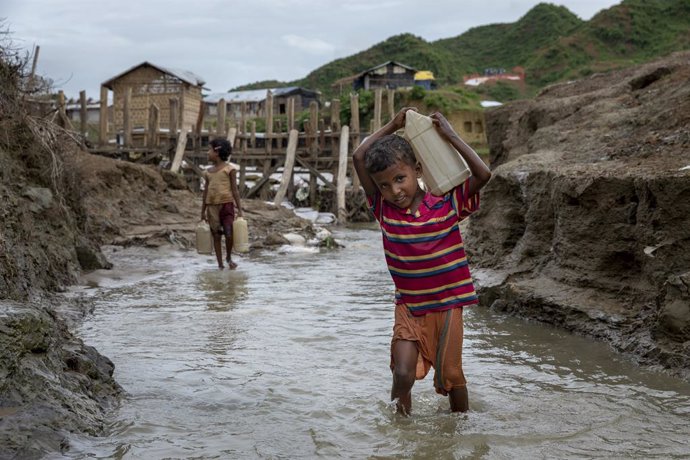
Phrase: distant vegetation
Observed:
(551, 43)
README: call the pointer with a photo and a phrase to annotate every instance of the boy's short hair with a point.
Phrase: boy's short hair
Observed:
(223, 147)
(386, 151)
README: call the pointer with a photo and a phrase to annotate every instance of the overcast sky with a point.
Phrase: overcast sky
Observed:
(229, 43)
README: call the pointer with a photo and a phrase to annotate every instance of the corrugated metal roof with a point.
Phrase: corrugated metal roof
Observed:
(385, 64)
(252, 95)
(351, 78)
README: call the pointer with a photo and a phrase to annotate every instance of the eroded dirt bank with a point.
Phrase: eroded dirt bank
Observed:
(586, 222)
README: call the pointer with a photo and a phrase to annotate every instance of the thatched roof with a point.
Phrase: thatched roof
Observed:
(184, 75)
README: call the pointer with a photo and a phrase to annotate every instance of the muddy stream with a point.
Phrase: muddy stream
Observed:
(287, 357)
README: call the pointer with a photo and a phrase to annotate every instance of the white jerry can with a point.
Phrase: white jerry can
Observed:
(443, 168)
(240, 235)
(204, 242)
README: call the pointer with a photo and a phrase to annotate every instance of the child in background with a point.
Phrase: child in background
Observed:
(425, 256)
(220, 199)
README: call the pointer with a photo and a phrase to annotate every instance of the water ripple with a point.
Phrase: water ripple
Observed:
(287, 357)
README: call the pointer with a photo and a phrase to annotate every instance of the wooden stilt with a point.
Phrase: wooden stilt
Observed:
(82, 113)
(179, 150)
(220, 123)
(127, 117)
(342, 174)
(154, 126)
(390, 99)
(232, 134)
(378, 94)
(354, 126)
(313, 149)
(287, 169)
(103, 118)
(173, 122)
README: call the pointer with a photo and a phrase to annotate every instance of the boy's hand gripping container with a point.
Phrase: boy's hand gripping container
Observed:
(204, 243)
(240, 235)
(442, 166)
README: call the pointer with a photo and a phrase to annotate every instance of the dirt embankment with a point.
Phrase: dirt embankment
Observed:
(586, 222)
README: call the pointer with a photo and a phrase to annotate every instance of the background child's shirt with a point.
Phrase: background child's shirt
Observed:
(425, 252)
(218, 183)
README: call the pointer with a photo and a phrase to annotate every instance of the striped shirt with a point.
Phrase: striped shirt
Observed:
(424, 250)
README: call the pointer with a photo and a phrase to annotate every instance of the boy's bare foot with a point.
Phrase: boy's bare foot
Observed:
(221, 267)
(232, 265)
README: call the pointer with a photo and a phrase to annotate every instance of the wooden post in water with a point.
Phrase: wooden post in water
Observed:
(154, 126)
(220, 123)
(287, 169)
(103, 118)
(342, 175)
(126, 117)
(378, 94)
(83, 114)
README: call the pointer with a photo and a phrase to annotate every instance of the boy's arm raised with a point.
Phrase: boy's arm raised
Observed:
(480, 171)
(358, 155)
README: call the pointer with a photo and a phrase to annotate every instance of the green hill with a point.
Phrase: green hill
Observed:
(549, 42)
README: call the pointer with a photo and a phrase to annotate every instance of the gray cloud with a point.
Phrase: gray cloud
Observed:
(86, 42)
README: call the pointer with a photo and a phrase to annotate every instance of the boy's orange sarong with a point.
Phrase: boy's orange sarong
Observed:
(439, 342)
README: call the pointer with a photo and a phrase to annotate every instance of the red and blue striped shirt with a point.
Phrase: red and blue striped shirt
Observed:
(424, 250)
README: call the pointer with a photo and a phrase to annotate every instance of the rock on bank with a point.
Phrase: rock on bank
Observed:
(586, 222)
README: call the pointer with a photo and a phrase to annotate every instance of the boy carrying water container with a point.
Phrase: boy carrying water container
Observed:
(425, 256)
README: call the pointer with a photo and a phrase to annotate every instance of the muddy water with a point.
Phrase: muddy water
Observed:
(287, 357)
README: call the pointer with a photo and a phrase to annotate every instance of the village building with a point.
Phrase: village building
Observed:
(93, 112)
(494, 75)
(255, 101)
(470, 125)
(152, 84)
(425, 79)
(391, 74)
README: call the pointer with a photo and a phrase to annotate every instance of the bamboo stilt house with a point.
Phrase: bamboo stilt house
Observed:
(152, 84)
